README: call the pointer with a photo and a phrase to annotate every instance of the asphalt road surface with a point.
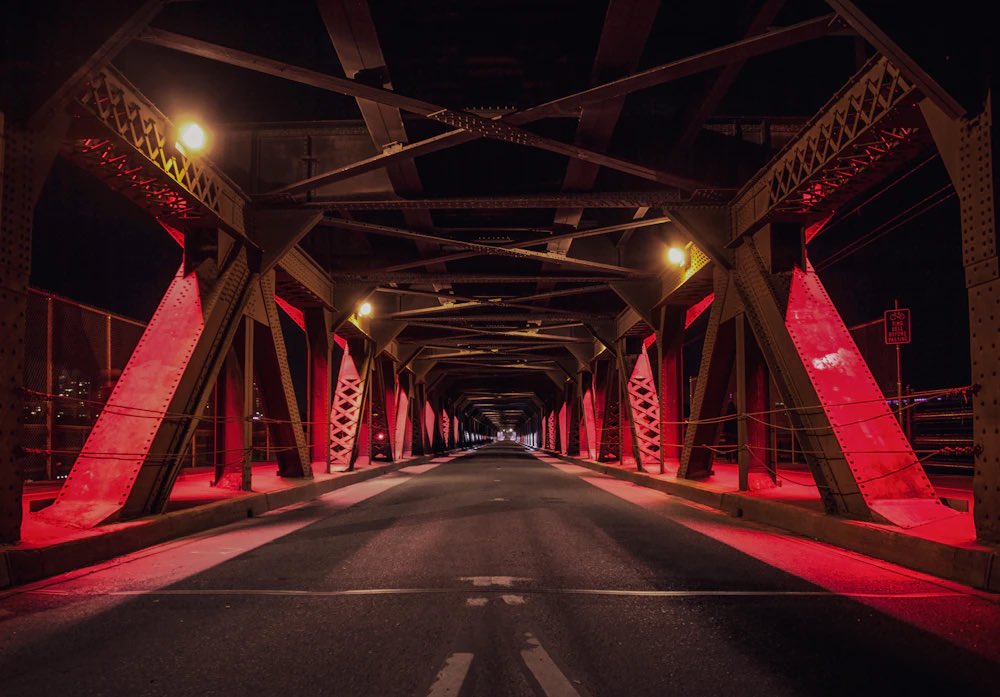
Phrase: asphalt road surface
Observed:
(497, 573)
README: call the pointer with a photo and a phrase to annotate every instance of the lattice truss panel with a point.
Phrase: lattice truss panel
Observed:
(140, 157)
(444, 424)
(550, 431)
(645, 404)
(345, 412)
(859, 131)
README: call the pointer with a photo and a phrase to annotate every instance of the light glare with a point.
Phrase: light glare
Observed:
(192, 136)
(676, 256)
(365, 309)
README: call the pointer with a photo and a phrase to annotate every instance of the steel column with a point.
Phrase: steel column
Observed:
(670, 344)
(17, 200)
(968, 147)
(233, 438)
(319, 335)
(753, 460)
(135, 450)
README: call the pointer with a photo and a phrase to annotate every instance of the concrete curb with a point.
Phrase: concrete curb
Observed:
(970, 566)
(19, 566)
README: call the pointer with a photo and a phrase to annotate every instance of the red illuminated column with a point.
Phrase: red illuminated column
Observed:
(232, 421)
(320, 340)
(670, 343)
(754, 461)
(588, 428)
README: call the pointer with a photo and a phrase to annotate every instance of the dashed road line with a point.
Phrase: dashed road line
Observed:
(546, 672)
(449, 679)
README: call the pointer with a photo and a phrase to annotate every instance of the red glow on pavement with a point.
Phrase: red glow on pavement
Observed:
(696, 310)
(294, 313)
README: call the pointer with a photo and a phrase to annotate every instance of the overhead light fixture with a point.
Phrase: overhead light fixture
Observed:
(677, 256)
(191, 137)
(364, 309)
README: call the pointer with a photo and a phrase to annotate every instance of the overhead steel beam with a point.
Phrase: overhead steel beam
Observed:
(382, 277)
(538, 241)
(609, 199)
(134, 21)
(873, 34)
(373, 228)
(626, 29)
(352, 33)
(723, 80)
(567, 106)
(465, 121)
(839, 151)
(690, 65)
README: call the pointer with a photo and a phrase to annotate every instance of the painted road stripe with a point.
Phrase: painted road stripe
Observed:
(449, 680)
(607, 592)
(546, 672)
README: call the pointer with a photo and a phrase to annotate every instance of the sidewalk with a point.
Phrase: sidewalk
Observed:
(946, 548)
(46, 550)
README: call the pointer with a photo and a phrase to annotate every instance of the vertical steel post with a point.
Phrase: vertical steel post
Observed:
(50, 421)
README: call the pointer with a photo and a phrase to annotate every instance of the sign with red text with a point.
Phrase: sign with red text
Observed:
(897, 326)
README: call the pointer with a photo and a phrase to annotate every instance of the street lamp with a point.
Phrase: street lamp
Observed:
(191, 137)
(677, 256)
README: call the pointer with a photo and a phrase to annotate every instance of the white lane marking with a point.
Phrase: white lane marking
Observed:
(513, 599)
(607, 592)
(450, 678)
(498, 499)
(505, 581)
(546, 672)
(476, 602)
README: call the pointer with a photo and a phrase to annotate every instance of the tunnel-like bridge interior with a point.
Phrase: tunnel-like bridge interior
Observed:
(273, 249)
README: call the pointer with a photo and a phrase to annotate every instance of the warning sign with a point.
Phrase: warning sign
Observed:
(897, 326)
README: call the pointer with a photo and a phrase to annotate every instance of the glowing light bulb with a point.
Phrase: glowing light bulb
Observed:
(192, 136)
(365, 309)
(677, 256)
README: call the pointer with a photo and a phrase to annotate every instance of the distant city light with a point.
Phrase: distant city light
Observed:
(192, 137)
(677, 256)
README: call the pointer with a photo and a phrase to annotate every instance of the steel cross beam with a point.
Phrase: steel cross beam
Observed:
(143, 160)
(566, 106)
(479, 248)
(538, 241)
(606, 199)
(723, 80)
(855, 134)
(381, 277)
(476, 126)
(352, 33)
